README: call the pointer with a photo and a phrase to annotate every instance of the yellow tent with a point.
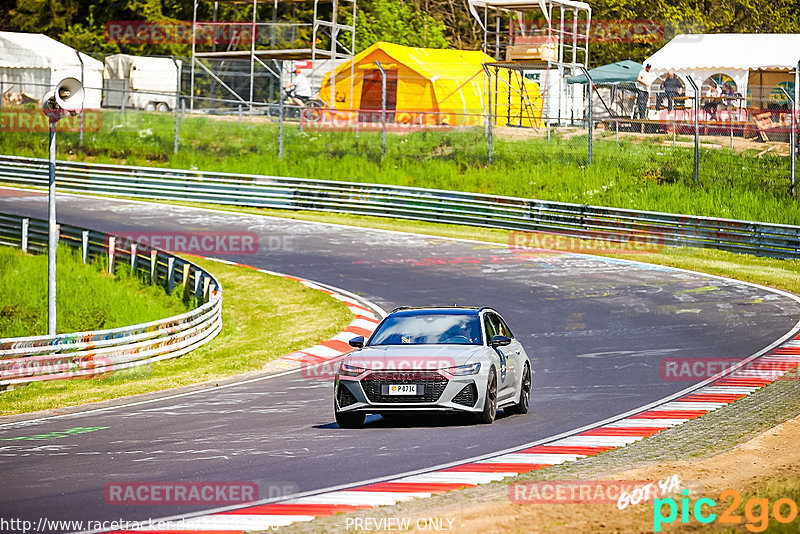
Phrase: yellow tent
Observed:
(432, 87)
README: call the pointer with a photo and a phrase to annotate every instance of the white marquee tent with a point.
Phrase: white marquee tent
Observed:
(755, 62)
(32, 63)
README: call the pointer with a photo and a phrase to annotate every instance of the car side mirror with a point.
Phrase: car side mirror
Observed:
(358, 342)
(499, 341)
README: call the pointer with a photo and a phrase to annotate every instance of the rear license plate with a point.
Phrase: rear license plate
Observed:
(405, 389)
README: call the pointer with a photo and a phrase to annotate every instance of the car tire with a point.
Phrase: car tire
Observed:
(525, 396)
(489, 412)
(349, 419)
(150, 106)
(162, 107)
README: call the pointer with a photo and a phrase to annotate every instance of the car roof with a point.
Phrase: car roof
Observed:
(437, 310)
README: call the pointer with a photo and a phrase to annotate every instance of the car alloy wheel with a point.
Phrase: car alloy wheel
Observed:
(490, 402)
(525, 396)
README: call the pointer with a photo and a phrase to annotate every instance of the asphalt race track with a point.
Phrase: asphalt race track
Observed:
(596, 330)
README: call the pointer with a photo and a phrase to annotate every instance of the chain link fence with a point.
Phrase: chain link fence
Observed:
(434, 127)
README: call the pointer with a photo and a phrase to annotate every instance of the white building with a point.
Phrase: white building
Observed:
(33, 63)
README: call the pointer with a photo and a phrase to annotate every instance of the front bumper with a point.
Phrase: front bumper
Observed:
(436, 391)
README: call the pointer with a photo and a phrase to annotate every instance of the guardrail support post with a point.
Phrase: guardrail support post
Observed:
(112, 245)
(153, 262)
(185, 277)
(25, 225)
(85, 245)
(198, 282)
(134, 246)
(170, 274)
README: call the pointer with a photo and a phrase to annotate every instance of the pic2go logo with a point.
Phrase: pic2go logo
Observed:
(756, 511)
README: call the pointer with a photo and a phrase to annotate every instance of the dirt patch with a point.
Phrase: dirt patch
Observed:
(771, 455)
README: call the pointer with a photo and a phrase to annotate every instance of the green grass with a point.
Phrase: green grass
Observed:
(264, 317)
(86, 297)
(635, 173)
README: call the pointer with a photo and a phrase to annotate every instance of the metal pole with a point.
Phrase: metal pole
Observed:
(80, 134)
(616, 127)
(240, 114)
(794, 121)
(280, 111)
(383, 110)
(591, 117)
(696, 107)
(52, 229)
(124, 96)
(489, 136)
(792, 140)
(194, 46)
(253, 51)
(177, 101)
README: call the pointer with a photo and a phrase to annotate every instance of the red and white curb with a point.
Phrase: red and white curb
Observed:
(760, 371)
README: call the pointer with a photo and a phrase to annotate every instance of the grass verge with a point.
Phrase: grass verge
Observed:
(264, 318)
(87, 297)
(647, 173)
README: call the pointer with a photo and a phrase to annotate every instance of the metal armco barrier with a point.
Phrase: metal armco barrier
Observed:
(29, 359)
(518, 214)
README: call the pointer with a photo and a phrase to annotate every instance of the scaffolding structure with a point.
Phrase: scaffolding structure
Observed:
(264, 43)
(547, 40)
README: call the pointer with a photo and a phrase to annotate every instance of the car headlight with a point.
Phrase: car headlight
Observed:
(464, 370)
(350, 370)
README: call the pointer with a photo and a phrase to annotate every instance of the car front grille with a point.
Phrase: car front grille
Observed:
(346, 397)
(468, 396)
(433, 385)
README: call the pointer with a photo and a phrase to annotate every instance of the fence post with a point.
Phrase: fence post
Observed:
(185, 277)
(792, 140)
(240, 114)
(124, 96)
(134, 248)
(2, 94)
(383, 110)
(489, 131)
(112, 242)
(183, 110)
(80, 135)
(591, 117)
(177, 100)
(696, 129)
(794, 124)
(170, 274)
(280, 111)
(85, 245)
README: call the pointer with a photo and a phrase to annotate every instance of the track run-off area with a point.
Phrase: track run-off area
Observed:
(597, 330)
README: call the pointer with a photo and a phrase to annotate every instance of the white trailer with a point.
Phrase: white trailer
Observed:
(148, 83)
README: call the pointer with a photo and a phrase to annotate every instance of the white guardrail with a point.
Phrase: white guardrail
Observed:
(37, 358)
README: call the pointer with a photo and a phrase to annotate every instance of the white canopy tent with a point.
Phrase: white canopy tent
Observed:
(754, 62)
(32, 63)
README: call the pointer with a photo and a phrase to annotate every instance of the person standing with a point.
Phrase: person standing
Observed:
(643, 81)
(712, 102)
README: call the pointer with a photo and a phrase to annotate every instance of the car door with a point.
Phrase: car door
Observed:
(506, 373)
(515, 352)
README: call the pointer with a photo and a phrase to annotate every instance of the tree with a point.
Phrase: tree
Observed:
(397, 22)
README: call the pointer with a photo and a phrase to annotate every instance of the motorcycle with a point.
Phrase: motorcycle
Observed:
(294, 107)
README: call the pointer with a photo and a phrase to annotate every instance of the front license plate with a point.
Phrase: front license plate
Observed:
(403, 389)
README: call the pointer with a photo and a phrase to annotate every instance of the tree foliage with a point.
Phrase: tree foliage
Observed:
(429, 23)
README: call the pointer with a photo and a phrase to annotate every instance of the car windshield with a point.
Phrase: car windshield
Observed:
(431, 329)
